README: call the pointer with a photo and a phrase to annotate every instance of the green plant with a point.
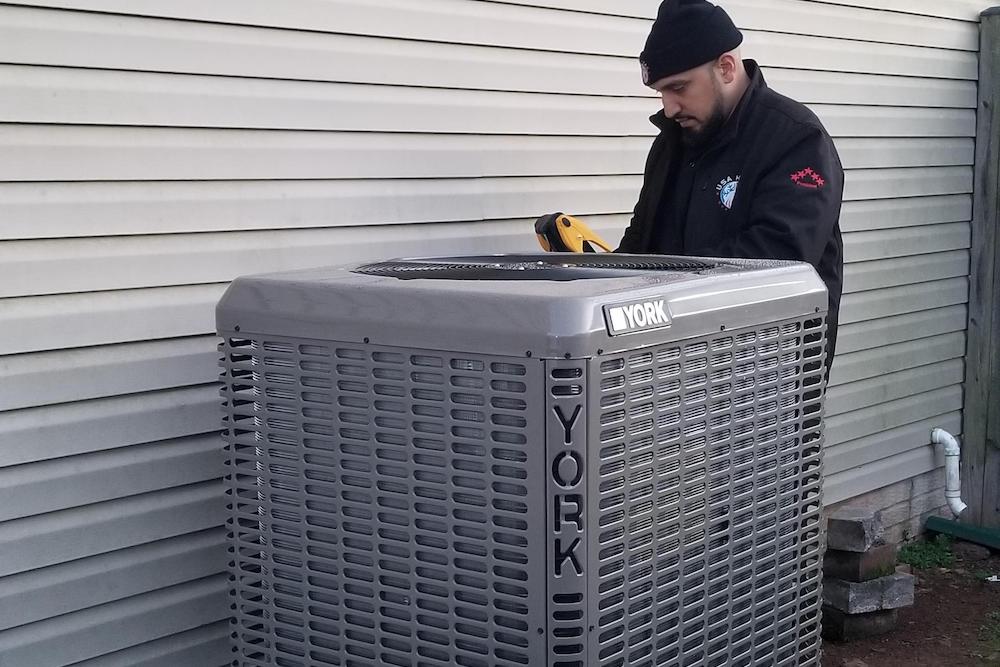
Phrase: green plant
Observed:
(989, 637)
(928, 553)
(883, 571)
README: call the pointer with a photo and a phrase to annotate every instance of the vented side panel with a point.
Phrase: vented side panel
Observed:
(708, 478)
(404, 507)
(385, 506)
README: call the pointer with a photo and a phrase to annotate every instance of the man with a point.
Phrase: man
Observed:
(737, 169)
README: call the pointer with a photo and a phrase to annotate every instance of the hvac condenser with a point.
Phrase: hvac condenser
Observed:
(566, 460)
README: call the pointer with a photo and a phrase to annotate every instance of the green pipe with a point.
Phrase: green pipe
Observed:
(984, 536)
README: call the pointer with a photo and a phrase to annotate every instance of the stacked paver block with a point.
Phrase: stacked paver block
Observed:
(862, 591)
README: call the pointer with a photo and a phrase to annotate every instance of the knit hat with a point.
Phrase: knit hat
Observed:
(685, 35)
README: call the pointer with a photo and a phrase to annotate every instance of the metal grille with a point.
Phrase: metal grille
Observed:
(379, 506)
(404, 507)
(708, 548)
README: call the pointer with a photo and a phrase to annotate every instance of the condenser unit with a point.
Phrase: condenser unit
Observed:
(563, 460)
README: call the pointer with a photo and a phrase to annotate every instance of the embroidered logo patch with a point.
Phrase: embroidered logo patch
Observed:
(808, 178)
(645, 72)
(727, 191)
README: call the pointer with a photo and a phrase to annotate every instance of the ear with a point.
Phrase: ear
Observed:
(726, 66)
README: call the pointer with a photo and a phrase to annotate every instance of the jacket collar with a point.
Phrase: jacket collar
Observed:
(731, 128)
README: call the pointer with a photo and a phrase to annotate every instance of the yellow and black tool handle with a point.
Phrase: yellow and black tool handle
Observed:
(558, 232)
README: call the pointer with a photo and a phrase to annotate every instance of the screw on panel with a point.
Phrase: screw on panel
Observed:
(367, 340)
(568, 355)
(236, 328)
(528, 353)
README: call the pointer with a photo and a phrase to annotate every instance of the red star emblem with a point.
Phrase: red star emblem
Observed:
(808, 178)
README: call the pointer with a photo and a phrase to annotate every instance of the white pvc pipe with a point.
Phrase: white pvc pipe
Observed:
(953, 475)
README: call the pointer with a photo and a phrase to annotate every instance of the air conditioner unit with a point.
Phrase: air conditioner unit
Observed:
(564, 460)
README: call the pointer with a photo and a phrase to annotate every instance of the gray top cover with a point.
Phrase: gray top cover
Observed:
(546, 305)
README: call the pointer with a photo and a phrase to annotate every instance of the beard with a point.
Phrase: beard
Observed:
(701, 137)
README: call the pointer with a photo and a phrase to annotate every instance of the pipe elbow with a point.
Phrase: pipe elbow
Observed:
(953, 475)
(939, 436)
(956, 506)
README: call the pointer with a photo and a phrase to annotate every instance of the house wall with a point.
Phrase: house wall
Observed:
(151, 151)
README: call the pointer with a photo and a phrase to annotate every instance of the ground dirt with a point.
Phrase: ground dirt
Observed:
(955, 622)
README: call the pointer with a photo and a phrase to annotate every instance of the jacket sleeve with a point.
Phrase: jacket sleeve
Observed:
(634, 239)
(794, 206)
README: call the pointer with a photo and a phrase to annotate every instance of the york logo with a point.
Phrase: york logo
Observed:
(636, 317)
(567, 474)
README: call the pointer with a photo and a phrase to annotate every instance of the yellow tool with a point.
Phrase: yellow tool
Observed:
(558, 232)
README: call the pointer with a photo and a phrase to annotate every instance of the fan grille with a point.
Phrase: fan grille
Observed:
(533, 267)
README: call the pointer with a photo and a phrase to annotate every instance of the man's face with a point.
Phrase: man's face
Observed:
(693, 99)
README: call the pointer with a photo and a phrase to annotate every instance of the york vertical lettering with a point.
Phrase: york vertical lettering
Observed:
(567, 470)
(566, 455)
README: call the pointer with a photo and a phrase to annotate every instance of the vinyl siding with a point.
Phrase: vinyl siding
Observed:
(151, 151)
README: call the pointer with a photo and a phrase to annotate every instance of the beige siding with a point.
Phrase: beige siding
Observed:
(151, 151)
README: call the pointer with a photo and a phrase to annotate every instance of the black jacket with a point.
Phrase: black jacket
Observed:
(769, 186)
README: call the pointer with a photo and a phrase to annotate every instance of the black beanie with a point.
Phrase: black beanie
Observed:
(685, 35)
